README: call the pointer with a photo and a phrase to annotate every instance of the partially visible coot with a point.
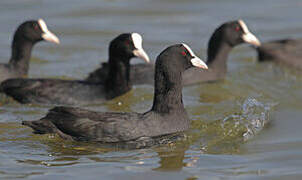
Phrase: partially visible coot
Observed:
(167, 115)
(75, 92)
(224, 38)
(26, 36)
(285, 51)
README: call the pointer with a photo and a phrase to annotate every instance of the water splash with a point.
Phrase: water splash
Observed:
(254, 116)
(242, 122)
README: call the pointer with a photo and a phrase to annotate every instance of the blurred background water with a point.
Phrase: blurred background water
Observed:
(245, 127)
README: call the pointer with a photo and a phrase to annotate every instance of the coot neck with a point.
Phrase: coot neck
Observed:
(168, 92)
(217, 55)
(118, 79)
(21, 53)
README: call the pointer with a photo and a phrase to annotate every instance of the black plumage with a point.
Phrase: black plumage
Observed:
(224, 38)
(76, 92)
(167, 115)
(286, 51)
(25, 37)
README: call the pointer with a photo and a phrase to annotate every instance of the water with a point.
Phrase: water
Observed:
(245, 127)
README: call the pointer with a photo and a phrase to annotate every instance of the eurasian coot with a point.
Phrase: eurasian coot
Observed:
(167, 115)
(224, 38)
(76, 92)
(285, 51)
(26, 36)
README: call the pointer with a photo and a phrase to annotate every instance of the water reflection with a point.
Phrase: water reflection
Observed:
(172, 159)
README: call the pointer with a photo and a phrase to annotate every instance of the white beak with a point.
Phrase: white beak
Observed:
(138, 44)
(141, 54)
(251, 39)
(47, 35)
(51, 37)
(197, 62)
(248, 37)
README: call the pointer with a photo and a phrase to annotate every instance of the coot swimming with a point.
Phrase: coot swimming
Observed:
(75, 92)
(26, 36)
(224, 38)
(167, 115)
(285, 51)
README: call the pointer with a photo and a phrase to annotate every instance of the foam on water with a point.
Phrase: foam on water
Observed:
(254, 116)
(242, 122)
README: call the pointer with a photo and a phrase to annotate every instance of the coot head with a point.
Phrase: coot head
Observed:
(35, 31)
(178, 58)
(128, 45)
(234, 33)
(169, 66)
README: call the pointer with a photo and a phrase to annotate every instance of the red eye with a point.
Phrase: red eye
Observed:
(237, 28)
(36, 27)
(183, 53)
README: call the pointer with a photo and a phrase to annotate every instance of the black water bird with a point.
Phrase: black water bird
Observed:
(167, 115)
(285, 51)
(76, 92)
(224, 38)
(25, 37)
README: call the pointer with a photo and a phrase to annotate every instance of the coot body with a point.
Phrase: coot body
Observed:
(167, 115)
(285, 51)
(74, 92)
(224, 38)
(25, 37)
